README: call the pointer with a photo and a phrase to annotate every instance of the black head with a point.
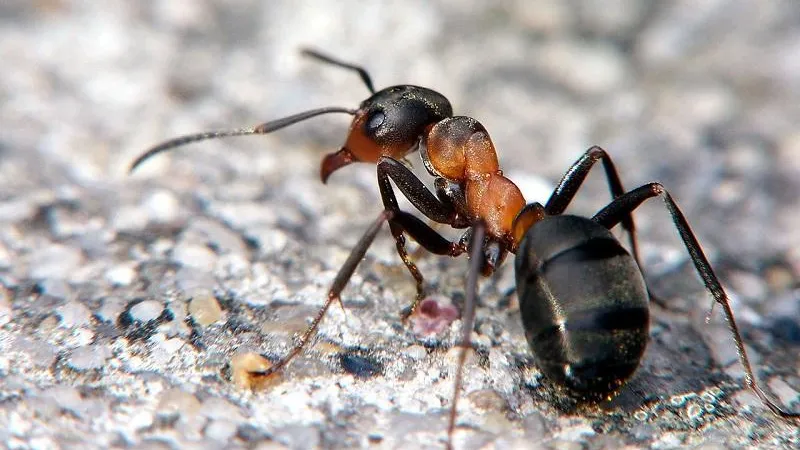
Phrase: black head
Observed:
(389, 123)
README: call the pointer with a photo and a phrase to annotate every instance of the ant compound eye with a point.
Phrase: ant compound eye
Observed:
(374, 122)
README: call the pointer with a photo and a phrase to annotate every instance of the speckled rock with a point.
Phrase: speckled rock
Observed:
(133, 305)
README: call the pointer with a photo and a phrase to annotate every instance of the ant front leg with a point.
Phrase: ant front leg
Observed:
(334, 293)
(622, 207)
(404, 223)
(427, 238)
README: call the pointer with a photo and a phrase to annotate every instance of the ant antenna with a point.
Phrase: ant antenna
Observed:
(264, 128)
(338, 63)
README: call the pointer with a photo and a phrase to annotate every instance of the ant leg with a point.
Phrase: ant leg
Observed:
(467, 320)
(573, 179)
(621, 207)
(428, 239)
(413, 189)
(420, 251)
(427, 203)
(342, 277)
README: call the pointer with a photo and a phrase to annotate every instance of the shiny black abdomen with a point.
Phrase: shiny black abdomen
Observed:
(584, 305)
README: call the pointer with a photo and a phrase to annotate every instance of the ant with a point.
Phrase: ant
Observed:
(583, 299)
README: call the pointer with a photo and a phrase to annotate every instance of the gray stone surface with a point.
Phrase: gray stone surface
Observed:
(99, 347)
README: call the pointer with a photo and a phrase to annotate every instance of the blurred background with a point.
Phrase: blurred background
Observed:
(702, 96)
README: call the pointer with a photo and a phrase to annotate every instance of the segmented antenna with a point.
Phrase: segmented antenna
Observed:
(362, 72)
(264, 128)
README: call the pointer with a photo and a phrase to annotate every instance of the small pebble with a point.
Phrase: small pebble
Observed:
(165, 347)
(6, 312)
(190, 279)
(110, 309)
(48, 324)
(68, 399)
(195, 256)
(711, 446)
(55, 261)
(17, 425)
(162, 206)
(205, 309)
(244, 363)
(88, 358)
(433, 316)
(43, 443)
(55, 287)
(779, 278)
(5, 256)
(121, 275)
(221, 430)
(360, 366)
(178, 401)
(80, 337)
(16, 210)
(694, 411)
(129, 218)
(141, 419)
(147, 310)
(587, 69)
(488, 400)
(416, 352)
(560, 444)
(214, 234)
(270, 445)
(785, 393)
(74, 314)
(37, 353)
(534, 425)
(217, 408)
(454, 352)
(251, 433)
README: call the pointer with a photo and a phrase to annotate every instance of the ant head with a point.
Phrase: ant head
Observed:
(389, 123)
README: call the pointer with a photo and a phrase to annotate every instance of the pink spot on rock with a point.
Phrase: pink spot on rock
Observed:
(433, 315)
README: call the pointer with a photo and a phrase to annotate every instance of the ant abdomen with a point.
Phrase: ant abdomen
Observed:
(584, 305)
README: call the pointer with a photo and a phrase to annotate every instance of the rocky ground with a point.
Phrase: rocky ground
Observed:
(129, 302)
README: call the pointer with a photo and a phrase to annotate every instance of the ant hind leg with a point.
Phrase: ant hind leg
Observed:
(622, 206)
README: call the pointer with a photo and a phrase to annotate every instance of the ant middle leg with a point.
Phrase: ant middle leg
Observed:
(403, 223)
(467, 321)
(622, 207)
(572, 180)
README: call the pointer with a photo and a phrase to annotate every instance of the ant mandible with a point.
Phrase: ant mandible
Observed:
(583, 299)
